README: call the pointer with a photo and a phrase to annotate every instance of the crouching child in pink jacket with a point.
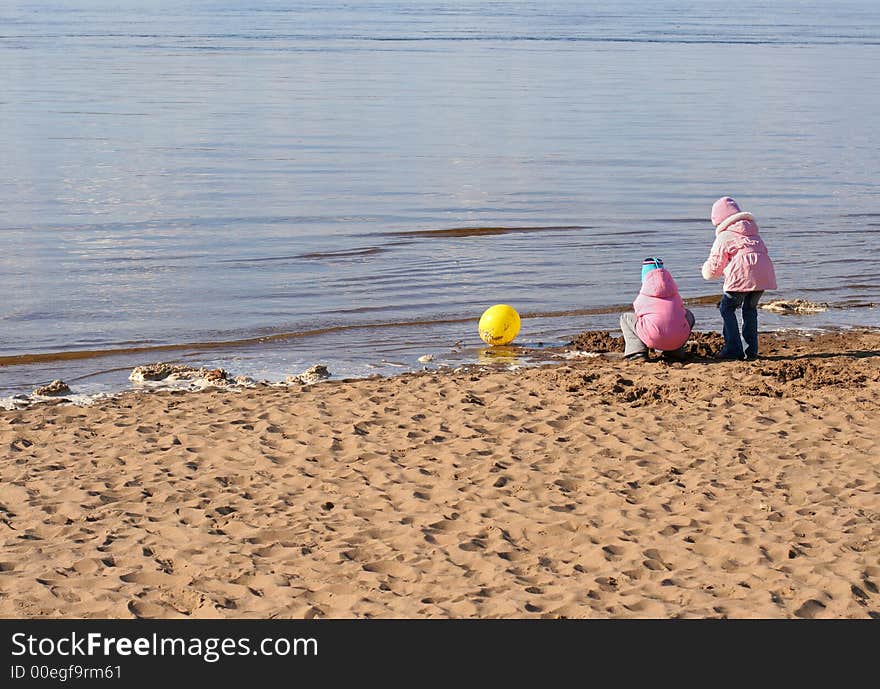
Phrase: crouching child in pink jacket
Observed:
(660, 321)
(738, 254)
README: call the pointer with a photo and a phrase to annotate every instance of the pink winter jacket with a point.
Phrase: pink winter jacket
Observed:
(739, 254)
(661, 322)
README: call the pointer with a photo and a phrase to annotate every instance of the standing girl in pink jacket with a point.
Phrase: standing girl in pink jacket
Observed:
(739, 254)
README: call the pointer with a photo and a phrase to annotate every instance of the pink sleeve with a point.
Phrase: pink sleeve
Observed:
(718, 258)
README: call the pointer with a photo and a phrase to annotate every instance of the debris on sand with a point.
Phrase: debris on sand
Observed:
(203, 376)
(704, 345)
(174, 373)
(579, 354)
(794, 306)
(214, 375)
(56, 387)
(597, 341)
(160, 371)
(311, 375)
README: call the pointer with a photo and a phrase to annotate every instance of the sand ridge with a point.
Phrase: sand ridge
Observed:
(595, 488)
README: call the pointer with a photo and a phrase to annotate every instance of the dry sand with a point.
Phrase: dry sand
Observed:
(596, 488)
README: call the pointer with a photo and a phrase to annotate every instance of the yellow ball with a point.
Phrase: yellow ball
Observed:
(499, 325)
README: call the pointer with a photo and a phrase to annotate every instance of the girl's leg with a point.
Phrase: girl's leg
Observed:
(750, 323)
(730, 302)
(634, 346)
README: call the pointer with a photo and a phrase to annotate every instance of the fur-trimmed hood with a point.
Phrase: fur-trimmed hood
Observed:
(722, 209)
(742, 223)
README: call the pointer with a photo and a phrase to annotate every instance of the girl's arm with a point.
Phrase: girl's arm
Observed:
(640, 305)
(718, 259)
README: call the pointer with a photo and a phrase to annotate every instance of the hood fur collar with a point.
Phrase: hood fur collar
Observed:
(736, 217)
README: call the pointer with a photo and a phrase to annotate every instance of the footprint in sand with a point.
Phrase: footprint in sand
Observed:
(810, 609)
(152, 579)
(612, 552)
(147, 610)
(390, 567)
(475, 544)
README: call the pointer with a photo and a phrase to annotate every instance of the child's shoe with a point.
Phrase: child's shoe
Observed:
(674, 355)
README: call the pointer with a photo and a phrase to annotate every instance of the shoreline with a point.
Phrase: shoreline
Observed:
(607, 341)
(358, 350)
(27, 358)
(586, 488)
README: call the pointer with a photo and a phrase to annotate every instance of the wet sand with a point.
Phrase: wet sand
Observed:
(593, 488)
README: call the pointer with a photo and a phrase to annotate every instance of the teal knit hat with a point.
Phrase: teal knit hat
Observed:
(649, 264)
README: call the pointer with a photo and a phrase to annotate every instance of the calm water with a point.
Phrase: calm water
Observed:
(268, 174)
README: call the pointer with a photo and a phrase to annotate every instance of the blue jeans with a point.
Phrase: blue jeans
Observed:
(730, 302)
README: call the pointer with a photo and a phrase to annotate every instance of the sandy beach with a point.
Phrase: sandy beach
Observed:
(591, 488)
